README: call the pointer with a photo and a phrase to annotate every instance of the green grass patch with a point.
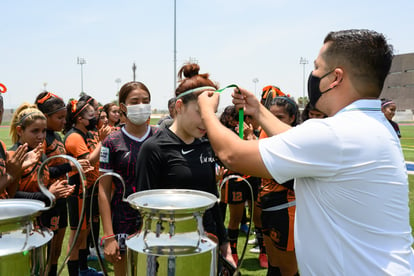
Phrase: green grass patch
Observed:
(407, 141)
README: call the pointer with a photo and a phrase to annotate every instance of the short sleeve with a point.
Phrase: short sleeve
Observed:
(297, 153)
(75, 145)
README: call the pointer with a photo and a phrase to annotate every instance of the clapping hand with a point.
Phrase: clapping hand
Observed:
(14, 161)
(32, 157)
(60, 189)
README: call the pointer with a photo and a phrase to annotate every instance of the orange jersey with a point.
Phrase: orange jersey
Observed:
(76, 144)
(53, 145)
(262, 134)
(92, 140)
(95, 135)
(272, 193)
(28, 181)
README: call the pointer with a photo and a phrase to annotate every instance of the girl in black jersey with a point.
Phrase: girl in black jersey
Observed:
(180, 157)
(119, 154)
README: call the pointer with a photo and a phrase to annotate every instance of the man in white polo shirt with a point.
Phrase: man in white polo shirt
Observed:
(352, 213)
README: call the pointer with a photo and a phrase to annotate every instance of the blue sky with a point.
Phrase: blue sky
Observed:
(234, 41)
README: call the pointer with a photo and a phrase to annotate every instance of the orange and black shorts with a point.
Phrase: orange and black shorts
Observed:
(236, 191)
(75, 202)
(279, 225)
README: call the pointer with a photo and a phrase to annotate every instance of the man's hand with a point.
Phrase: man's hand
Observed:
(246, 100)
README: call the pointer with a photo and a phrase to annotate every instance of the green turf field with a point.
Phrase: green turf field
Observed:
(407, 141)
(250, 264)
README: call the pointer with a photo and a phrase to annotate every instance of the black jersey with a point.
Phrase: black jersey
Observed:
(119, 154)
(166, 162)
(396, 128)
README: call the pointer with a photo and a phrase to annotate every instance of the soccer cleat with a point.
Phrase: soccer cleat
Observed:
(253, 242)
(92, 255)
(263, 260)
(255, 249)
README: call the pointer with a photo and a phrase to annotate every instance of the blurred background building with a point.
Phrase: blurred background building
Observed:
(399, 86)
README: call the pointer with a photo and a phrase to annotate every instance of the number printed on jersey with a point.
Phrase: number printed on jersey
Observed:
(104, 157)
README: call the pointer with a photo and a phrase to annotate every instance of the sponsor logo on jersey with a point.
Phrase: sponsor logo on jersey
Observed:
(184, 152)
(104, 156)
(206, 159)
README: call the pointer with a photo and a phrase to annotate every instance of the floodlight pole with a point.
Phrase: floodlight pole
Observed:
(303, 61)
(81, 62)
(134, 69)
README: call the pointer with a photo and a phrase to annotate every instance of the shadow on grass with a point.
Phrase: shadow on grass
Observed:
(108, 266)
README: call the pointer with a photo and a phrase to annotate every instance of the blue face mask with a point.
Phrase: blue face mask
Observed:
(314, 92)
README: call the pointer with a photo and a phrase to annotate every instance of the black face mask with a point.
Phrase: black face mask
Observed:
(314, 92)
(92, 123)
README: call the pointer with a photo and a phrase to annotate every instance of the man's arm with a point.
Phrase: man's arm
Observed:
(238, 155)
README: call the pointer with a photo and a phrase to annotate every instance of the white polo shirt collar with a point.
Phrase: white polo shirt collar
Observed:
(362, 105)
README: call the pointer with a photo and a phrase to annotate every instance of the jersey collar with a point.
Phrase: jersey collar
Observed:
(140, 139)
(363, 105)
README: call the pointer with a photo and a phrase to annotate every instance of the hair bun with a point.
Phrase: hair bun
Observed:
(190, 70)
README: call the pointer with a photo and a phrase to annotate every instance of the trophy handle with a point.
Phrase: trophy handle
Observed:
(42, 186)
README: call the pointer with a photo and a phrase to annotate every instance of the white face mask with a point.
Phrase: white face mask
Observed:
(138, 113)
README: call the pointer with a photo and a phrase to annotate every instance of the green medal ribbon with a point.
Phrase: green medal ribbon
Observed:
(204, 88)
(241, 111)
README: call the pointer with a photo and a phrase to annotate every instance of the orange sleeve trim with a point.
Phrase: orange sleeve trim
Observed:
(76, 146)
(262, 134)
